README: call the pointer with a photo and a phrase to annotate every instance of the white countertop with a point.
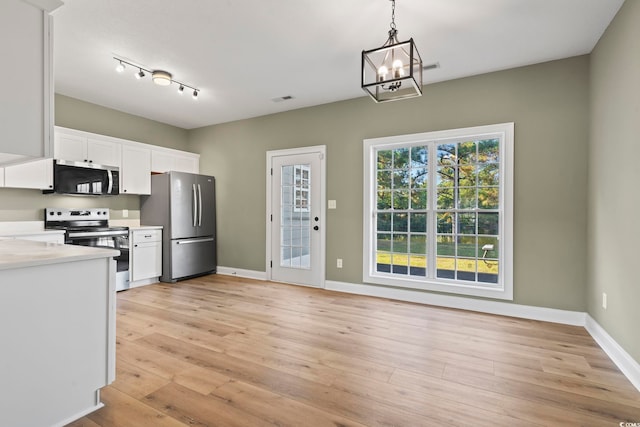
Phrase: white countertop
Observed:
(25, 253)
(29, 232)
(146, 227)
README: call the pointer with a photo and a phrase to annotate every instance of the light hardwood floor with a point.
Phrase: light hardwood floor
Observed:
(223, 351)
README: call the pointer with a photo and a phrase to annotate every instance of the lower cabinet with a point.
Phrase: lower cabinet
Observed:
(146, 256)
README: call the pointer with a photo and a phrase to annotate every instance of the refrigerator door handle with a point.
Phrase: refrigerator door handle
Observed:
(186, 242)
(200, 206)
(195, 206)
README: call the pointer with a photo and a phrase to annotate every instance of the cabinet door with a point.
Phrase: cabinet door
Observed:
(146, 261)
(103, 152)
(25, 116)
(37, 174)
(190, 164)
(136, 170)
(161, 161)
(70, 147)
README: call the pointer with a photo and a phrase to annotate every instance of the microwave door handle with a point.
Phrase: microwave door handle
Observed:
(110, 187)
(200, 205)
(195, 206)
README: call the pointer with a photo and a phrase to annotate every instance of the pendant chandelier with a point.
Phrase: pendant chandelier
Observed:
(394, 70)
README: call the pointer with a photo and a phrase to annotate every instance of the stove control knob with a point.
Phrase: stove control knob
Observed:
(59, 213)
(51, 213)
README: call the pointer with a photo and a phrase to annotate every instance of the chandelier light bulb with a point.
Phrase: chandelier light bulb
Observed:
(382, 73)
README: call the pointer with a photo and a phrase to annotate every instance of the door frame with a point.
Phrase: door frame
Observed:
(320, 150)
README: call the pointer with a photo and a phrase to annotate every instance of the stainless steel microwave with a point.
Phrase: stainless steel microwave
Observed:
(84, 178)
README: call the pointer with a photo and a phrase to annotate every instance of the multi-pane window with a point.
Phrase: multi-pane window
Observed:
(295, 224)
(438, 210)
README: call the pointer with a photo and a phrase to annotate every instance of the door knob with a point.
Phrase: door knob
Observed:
(315, 227)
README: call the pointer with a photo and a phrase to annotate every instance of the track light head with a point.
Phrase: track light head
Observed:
(181, 89)
(140, 75)
(195, 94)
(120, 67)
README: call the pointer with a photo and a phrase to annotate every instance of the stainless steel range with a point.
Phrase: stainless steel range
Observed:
(90, 227)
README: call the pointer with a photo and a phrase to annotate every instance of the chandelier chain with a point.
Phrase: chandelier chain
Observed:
(393, 15)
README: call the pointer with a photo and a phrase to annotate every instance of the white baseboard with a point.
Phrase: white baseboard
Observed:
(629, 367)
(566, 317)
(239, 272)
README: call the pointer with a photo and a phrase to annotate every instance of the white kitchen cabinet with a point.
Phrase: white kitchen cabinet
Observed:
(165, 160)
(81, 148)
(135, 173)
(26, 105)
(37, 174)
(1, 177)
(146, 256)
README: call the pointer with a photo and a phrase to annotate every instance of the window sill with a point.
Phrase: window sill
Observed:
(447, 286)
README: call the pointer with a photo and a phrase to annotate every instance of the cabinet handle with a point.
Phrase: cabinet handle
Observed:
(148, 236)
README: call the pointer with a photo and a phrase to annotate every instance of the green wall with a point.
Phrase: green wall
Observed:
(614, 199)
(75, 114)
(28, 205)
(549, 105)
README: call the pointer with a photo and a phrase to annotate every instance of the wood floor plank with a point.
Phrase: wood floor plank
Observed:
(227, 351)
(122, 410)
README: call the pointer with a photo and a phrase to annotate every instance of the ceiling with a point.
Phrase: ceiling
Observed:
(242, 54)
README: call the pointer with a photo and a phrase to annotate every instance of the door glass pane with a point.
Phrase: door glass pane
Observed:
(295, 212)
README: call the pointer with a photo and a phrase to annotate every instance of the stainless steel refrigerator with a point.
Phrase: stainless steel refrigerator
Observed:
(185, 205)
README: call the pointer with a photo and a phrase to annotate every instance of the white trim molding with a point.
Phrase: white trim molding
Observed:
(623, 360)
(575, 318)
(239, 272)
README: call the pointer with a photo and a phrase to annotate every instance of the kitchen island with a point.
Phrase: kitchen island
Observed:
(57, 329)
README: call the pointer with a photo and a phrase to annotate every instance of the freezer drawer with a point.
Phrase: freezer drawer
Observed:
(191, 257)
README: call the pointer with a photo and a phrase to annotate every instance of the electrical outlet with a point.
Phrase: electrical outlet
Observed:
(339, 263)
(332, 204)
(604, 300)
(125, 213)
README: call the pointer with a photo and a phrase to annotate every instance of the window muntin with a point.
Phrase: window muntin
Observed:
(439, 210)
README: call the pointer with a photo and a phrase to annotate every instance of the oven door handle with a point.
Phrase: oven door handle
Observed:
(98, 234)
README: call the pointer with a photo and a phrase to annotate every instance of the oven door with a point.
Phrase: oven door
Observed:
(119, 242)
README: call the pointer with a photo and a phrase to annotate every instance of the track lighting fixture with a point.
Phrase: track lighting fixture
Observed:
(159, 77)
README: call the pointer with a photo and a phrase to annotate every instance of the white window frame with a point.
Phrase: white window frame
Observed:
(504, 288)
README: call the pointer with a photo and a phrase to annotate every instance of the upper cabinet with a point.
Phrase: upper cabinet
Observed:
(26, 105)
(36, 174)
(166, 159)
(79, 147)
(135, 177)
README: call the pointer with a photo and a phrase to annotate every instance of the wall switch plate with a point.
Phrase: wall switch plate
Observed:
(604, 300)
(339, 263)
(332, 204)
(125, 213)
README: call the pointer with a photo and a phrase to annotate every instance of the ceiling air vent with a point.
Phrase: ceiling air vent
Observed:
(431, 66)
(283, 98)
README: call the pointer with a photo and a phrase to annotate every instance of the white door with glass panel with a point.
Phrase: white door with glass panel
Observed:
(296, 230)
